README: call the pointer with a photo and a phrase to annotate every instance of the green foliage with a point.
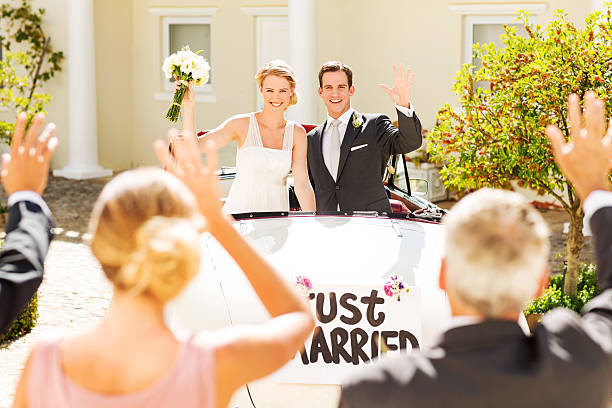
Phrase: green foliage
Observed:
(23, 72)
(24, 27)
(15, 91)
(499, 134)
(554, 297)
(23, 324)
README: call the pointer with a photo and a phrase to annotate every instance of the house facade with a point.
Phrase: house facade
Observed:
(109, 101)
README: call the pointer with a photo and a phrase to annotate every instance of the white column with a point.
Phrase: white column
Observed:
(597, 5)
(82, 120)
(303, 58)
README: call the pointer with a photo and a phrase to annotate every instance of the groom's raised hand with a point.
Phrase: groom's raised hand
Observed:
(402, 86)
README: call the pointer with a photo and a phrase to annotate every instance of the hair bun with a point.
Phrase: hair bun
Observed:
(165, 258)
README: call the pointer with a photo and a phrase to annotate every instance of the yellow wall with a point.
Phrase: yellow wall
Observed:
(370, 36)
(114, 83)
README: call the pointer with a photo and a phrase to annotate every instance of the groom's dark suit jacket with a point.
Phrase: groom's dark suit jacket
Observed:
(22, 258)
(364, 153)
(566, 363)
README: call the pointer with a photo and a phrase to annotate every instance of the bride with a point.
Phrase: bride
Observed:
(269, 146)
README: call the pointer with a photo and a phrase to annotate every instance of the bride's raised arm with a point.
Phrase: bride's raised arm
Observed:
(299, 168)
(231, 129)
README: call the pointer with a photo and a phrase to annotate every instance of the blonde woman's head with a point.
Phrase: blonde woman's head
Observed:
(145, 227)
(496, 252)
(276, 81)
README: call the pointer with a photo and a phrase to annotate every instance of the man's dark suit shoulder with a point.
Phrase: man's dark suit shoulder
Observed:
(363, 389)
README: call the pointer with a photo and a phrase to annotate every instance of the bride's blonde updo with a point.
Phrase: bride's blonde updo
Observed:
(145, 228)
(281, 69)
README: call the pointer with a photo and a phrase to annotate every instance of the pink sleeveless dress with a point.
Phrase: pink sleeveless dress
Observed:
(189, 383)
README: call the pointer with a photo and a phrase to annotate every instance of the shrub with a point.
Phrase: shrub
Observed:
(554, 297)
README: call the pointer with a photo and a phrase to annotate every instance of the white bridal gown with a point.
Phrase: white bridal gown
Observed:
(261, 174)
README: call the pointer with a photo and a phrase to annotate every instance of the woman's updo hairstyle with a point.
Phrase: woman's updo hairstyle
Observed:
(281, 69)
(145, 230)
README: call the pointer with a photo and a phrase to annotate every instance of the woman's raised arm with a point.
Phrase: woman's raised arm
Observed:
(299, 167)
(221, 135)
(253, 351)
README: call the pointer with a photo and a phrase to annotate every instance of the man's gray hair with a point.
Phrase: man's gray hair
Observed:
(496, 250)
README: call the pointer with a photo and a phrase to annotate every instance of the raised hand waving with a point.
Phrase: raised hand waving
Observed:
(402, 86)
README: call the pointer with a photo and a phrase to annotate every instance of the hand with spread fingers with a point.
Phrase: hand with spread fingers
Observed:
(26, 167)
(402, 86)
(586, 158)
(200, 179)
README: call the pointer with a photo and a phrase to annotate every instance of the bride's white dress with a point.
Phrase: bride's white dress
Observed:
(261, 174)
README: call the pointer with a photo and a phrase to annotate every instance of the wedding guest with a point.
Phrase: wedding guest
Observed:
(145, 227)
(495, 261)
(269, 146)
(347, 154)
(24, 174)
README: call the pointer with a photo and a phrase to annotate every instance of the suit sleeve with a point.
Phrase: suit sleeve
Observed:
(597, 319)
(22, 258)
(404, 139)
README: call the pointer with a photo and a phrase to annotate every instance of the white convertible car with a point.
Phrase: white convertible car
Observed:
(348, 259)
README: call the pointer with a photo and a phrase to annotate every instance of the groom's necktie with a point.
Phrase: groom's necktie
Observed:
(334, 149)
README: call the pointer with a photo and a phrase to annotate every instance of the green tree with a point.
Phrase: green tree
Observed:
(498, 134)
(28, 60)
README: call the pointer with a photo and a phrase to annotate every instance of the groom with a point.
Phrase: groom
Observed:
(348, 153)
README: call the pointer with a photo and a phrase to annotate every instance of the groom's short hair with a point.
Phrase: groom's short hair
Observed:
(335, 66)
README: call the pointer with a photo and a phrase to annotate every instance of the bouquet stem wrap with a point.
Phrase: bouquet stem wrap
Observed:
(175, 109)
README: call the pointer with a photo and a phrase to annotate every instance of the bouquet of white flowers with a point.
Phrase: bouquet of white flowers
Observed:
(185, 66)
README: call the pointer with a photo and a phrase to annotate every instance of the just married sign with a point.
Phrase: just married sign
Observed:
(354, 324)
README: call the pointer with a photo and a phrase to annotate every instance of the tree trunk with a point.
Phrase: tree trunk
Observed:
(575, 242)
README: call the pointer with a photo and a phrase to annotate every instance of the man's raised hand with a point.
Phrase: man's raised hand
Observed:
(586, 159)
(402, 86)
(26, 167)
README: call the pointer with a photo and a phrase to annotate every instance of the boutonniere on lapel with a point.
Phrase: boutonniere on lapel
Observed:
(357, 121)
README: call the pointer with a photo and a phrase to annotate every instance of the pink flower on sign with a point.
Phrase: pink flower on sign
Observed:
(304, 284)
(395, 287)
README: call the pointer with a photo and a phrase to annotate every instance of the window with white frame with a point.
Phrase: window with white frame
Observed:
(192, 31)
(485, 30)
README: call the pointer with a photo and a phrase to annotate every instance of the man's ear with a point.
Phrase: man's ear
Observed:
(543, 284)
(320, 92)
(442, 275)
(352, 90)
